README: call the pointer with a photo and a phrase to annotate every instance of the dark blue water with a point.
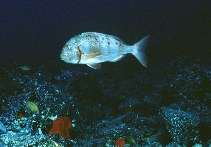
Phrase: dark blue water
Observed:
(31, 31)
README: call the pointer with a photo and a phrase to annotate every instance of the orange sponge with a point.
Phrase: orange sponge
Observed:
(61, 126)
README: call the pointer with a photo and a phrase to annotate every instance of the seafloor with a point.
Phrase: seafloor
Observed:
(58, 104)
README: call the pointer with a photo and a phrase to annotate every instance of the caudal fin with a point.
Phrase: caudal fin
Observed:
(139, 50)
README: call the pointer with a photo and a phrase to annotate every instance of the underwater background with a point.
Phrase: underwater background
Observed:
(47, 102)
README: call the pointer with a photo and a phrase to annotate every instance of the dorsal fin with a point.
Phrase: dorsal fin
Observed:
(117, 38)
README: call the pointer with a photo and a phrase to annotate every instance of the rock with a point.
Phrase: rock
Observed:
(173, 144)
(182, 126)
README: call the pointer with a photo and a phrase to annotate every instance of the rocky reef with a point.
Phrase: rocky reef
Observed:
(73, 105)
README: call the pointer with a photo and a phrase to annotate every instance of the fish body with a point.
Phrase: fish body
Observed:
(25, 67)
(32, 106)
(93, 48)
(2, 127)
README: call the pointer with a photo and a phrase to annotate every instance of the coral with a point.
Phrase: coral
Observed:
(61, 126)
(20, 115)
(120, 142)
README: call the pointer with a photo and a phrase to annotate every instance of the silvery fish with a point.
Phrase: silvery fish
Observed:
(93, 48)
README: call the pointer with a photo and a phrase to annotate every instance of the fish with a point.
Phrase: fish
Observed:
(2, 127)
(25, 68)
(32, 106)
(92, 48)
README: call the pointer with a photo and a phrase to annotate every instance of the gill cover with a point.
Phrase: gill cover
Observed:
(79, 53)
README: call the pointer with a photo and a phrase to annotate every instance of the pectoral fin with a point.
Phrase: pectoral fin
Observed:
(92, 55)
(95, 65)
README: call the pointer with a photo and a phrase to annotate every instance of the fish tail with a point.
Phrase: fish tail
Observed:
(139, 50)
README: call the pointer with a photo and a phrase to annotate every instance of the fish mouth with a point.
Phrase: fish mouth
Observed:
(64, 56)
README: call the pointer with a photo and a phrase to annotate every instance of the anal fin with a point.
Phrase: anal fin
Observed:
(118, 59)
(95, 65)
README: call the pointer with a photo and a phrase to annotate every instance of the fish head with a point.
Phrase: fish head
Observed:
(69, 53)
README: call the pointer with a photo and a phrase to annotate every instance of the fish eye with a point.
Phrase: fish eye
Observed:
(68, 47)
